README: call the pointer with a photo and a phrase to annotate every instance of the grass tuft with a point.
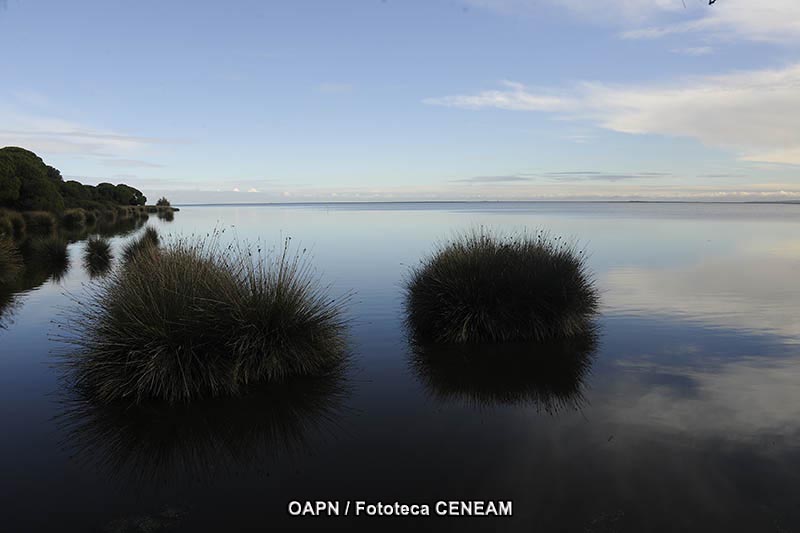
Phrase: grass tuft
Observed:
(484, 287)
(48, 255)
(40, 222)
(73, 219)
(195, 321)
(97, 256)
(10, 261)
(147, 243)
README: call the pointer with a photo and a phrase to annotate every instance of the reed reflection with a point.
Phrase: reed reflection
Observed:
(547, 375)
(160, 443)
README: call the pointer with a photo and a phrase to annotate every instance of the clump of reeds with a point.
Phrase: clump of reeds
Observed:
(10, 261)
(97, 256)
(91, 218)
(489, 287)
(168, 215)
(147, 243)
(48, 255)
(196, 321)
(12, 224)
(73, 219)
(40, 222)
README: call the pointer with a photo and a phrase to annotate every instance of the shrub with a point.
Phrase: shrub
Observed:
(10, 261)
(162, 202)
(549, 375)
(97, 256)
(73, 219)
(485, 287)
(40, 222)
(192, 322)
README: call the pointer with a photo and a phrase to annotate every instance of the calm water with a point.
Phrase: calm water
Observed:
(687, 420)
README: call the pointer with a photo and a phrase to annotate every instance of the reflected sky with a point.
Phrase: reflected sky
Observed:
(687, 418)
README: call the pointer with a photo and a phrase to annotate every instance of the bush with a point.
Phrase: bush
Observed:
(192, 322)
(549, 375)
(163, 202)
(10, 261)
(73, 219)
(40, 222)
(97, 256)
(485, 287)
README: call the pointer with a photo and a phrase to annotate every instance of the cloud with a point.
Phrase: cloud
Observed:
(494, 179)
(602, 176)
(514, 98)
(775, 21)
(130, 163)
(752, 112)
(693, 50)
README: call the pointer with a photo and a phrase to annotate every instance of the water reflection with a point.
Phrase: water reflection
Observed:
(548, 375)
(158, 443)
(754, 290)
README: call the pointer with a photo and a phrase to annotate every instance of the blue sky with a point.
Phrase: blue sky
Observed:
(250, 101)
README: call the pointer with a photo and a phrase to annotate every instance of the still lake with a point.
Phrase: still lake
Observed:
(688, 418)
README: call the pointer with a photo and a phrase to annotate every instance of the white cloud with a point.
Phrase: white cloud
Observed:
(752, 112)
(693, 50)
(515, 97)
(776, 21)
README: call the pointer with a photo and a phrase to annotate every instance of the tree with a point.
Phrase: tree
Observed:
(163, 202)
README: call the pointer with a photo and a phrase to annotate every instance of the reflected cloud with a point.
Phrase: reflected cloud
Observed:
(750, 399)
(747, 292)
(547, 375)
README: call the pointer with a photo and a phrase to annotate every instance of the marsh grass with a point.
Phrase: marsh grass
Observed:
(195, 321)
(97, 256)
(40, 222)
(548, 375)
(146, 244)
(73, 219)
(167, 215)
(485, 287)
(10, 261)
(12, 224)
(46, 257)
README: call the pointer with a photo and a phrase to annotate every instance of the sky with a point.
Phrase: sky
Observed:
(356, 100)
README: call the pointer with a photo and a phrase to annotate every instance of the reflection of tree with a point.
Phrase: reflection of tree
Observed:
(46, 258)
(549, 375)
(157, 442)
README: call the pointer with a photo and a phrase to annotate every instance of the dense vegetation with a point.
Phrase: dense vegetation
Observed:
(28, 184)
(190, 320)
(487, 287)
